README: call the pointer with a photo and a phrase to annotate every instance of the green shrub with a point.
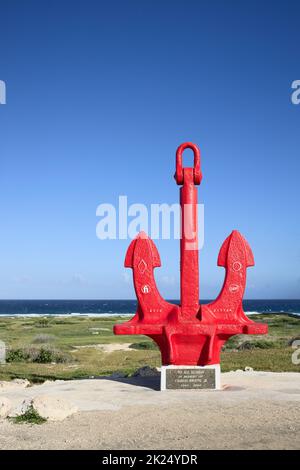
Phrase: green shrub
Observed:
(30, 416)
(258, 344)
(42, 323)
(232, 343)
(16, 355)
(43, 355)
(47, 355)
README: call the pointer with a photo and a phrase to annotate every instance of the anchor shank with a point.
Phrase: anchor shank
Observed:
(189, 259)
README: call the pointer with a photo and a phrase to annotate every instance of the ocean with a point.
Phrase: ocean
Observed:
(123, 307)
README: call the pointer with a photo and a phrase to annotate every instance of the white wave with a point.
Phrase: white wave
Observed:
(297, 314)
(111, 314)
(64, 315)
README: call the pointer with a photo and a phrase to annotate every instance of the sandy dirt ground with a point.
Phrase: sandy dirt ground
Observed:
(255, 410)
(108, 348)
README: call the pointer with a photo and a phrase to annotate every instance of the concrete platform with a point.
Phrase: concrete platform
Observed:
(252, 410)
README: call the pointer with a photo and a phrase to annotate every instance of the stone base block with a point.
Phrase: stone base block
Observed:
(191, 377)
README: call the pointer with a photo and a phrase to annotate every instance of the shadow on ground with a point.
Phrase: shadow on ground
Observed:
(152, 383)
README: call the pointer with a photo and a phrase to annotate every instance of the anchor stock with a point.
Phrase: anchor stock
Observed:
(189, 334)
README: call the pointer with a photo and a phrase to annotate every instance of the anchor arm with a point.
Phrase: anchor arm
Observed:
(142, 256)
(235, 256)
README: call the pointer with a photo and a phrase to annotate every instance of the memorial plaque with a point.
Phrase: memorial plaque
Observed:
(190, 378)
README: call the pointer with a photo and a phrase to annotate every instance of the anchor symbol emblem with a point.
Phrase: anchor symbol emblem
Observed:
(190, 333)
(145, 289)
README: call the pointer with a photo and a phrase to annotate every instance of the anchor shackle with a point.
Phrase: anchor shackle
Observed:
(179, 175)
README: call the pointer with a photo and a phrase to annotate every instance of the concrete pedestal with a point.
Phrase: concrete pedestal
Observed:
(190, 377)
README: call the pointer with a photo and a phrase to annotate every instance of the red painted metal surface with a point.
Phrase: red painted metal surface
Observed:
(189, 334)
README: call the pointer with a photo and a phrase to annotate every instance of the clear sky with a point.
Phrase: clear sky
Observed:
(100, 94)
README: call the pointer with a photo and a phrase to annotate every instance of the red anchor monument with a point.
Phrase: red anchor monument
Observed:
(190, 335)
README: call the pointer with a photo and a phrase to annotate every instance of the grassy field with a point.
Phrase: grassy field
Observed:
(66, 348)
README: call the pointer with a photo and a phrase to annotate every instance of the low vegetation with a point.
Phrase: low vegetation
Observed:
(43, 355)
(43, 338)
(144, 345)
(70, 348)
(30, 416)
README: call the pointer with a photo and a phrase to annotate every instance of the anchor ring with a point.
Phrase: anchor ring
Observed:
(196, 170)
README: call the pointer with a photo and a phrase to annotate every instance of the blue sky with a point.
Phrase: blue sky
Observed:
(100, 94)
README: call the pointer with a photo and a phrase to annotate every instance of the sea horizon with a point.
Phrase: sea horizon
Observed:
(123, 307)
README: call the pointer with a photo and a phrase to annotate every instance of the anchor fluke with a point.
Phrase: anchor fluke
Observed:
(233, 248)
(146, 244)
(142, 257)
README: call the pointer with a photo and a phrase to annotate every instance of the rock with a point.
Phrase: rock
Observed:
(53, 408)
(21, 383)
(246, 345)
(16, 383)
(48, 407)
(4, 385)
(20, 409)
(292, 341)
(118, 375)
(146, 371)
(5, 407)
(248, 369)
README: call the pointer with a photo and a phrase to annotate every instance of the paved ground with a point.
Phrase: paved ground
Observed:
(254, 410)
